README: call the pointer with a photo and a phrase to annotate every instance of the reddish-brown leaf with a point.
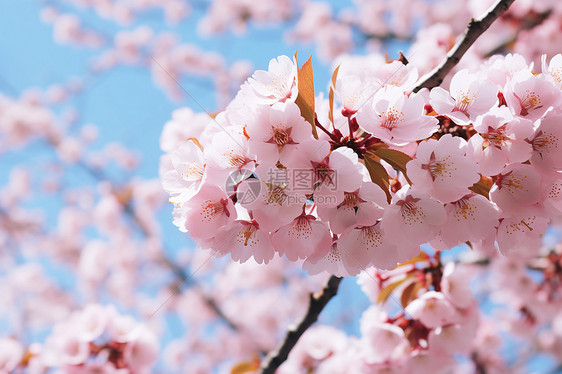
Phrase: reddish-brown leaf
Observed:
(378, 174)
(421, 257)
(410, 293)
(305, 98)
(396, 159)
(387, 291)
(246, 367)
(482, 187)
(331, 95)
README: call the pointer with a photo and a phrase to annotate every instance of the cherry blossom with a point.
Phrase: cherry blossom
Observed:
(433, 310)
(304, 237)
(412, 218)
(442, 170)
(501, 140)
(531, 96)
(276, 85)
(396, 118)
(276, 133)
(546, 144)
(444, 201)
(517, 184)
(469, 97)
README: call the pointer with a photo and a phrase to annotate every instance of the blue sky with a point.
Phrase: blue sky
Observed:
(125, 104)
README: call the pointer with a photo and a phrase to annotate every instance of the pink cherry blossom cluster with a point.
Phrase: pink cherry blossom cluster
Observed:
(94, 339)
(476, 163)
(440, 319)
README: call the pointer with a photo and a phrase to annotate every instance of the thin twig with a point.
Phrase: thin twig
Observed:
(316, 304)
(476, 27)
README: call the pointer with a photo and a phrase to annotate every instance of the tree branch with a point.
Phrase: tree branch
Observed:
(476, 27)
(316, 304)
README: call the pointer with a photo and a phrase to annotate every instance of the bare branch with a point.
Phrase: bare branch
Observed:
(476, 27)
(316, 304)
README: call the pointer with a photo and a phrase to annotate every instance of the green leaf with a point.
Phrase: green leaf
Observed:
(378, 174)
(305, 98)
(396, 159)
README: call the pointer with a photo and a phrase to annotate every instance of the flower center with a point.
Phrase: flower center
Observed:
(411, 211)
(543, 142)
(193, 171)
(211, 209)
(391, 118)
(495, 137)
(463, 101)
(530, 101)
(438, 168)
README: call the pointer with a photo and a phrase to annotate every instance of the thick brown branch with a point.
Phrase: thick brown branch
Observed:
(476, 27)
(316, 304)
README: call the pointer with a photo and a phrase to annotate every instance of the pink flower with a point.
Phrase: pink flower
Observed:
(11, 353)
(397, 74)
(530, 96)
(353, 92)
(452, 339)
(141, 353)
(315, 346)
(276, 132)
(302, 238)
(470, 96)
(412, 218)
(521, 234)
(183, 177)
(366, 245)
(433, 310)
(501, 140)
(442, 170)
(361, 207)
(552, 195)
(471, 218)
(208, 211)
(547, 143)
(500, 69)
(63, 348)
(271, 200)
(516, 187)
(244, 239)
(333, 263)
(92, 322)
(328, 174)
(278, 84)
(228, 153)
(384, 342)
(396, 118)
(553, 71)
(455, 285)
